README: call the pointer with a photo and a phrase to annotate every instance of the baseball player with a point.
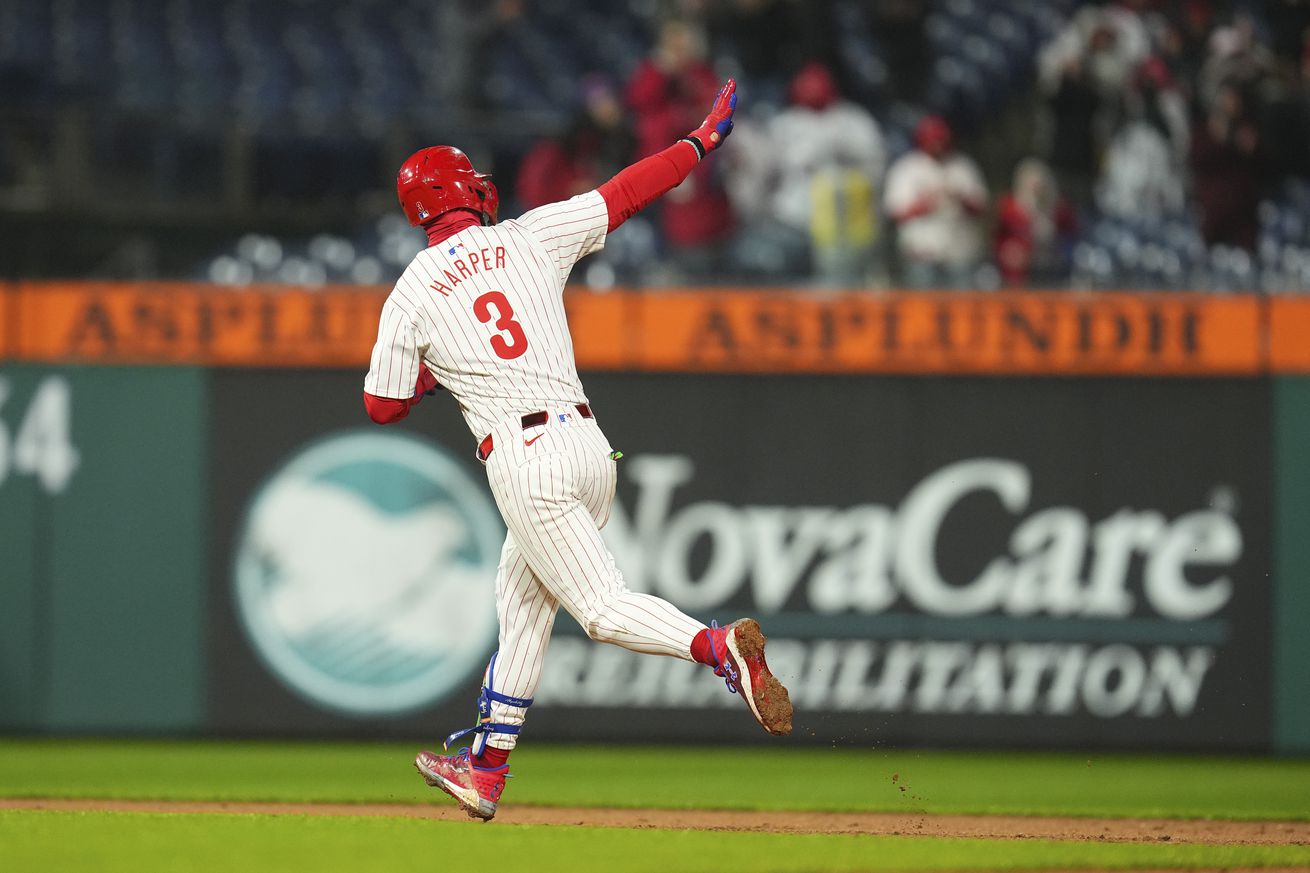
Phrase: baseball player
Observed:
(480, 312)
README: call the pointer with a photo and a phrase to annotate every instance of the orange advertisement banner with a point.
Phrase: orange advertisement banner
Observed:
(1038, 333)
(195, 324)
(684, 330)
(8, 322)
(1289, 334)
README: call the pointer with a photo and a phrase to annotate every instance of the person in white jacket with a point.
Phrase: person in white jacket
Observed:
(814, 171)
(937, 198)
(831, 161)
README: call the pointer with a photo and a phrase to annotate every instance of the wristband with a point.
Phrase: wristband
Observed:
(696, 144)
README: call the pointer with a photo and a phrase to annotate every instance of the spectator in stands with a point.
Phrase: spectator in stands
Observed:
(596, 145)
(1108, 42)
(1143, 173)
(1226, 167)
(668, 94)
(1072, 107)
(936, 197)
(828, 162)
(1154, 94)
(1287, 123)
(1083, 72)
(769, 40)
(1035, 228)
(1181, 40)
(1288, 22)
(900, 26)
(1236, 57)
(494, 28)
(763, 250)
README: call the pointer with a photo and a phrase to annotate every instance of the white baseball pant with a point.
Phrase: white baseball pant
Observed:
(554, 485)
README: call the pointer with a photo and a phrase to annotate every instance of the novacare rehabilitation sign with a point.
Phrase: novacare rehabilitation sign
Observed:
(1033, 590)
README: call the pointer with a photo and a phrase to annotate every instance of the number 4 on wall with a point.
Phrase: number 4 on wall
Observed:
(41, 446)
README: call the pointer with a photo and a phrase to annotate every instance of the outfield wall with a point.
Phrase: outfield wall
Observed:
(1010, 545)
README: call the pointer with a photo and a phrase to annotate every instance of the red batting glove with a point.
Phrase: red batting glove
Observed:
(718, 124)
(427, 383)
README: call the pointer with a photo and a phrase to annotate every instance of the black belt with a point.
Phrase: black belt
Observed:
(532, 419)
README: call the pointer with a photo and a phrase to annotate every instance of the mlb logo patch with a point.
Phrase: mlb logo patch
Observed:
(565, 418)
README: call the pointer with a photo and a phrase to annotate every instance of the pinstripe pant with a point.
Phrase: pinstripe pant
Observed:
(554, 485)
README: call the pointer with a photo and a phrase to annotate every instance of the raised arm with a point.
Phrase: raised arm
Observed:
(637, 186)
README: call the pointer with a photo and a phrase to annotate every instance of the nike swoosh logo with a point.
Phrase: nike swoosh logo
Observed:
(528, 442)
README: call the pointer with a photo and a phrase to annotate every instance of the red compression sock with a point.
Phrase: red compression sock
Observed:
(702, 650)
(491, 757)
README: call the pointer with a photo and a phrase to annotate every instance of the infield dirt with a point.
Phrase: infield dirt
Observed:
(1130, 830)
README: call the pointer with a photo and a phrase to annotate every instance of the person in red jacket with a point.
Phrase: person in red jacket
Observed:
(1035, 228)
(1227, 164)
(595, 145)
(666, 94)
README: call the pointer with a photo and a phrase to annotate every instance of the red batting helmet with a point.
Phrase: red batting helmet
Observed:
(441, 178)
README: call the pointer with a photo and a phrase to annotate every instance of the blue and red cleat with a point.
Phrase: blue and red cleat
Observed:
(476, 789)
(739, 651)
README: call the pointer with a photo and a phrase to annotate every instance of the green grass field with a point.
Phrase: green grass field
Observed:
(768, 778)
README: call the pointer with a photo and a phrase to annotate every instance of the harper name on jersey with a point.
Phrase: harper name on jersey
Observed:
(473, 262)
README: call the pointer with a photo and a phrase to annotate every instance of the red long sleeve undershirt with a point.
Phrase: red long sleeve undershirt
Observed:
(631, 190)
(387, 410)
(636, 187)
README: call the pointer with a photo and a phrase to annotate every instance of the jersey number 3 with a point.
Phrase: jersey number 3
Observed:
(504, 315)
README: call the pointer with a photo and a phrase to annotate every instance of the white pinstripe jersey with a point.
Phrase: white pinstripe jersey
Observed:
(485, 310)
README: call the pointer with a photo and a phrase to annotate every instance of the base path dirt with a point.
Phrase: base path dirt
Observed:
(1003, 827)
